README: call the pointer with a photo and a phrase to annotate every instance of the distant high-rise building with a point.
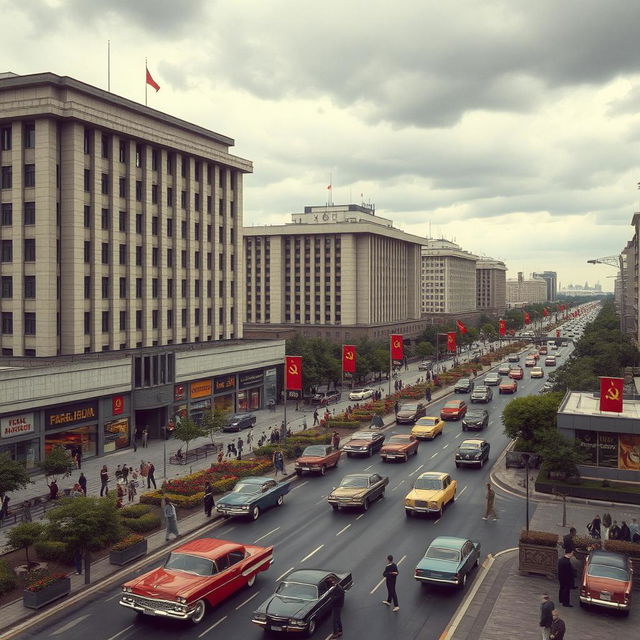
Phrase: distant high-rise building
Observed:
(491, 286)
(526, 291)
(551, 278)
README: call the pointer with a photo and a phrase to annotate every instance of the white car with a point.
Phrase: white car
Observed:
(361, 394)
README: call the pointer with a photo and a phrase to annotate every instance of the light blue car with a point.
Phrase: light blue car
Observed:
(448, 561)
(251, 496)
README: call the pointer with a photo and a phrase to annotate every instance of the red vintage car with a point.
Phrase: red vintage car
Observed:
(508, 386)
(516, 373)
(317, 458)
(607, 581)
(399, 447)
(200, 573)
(454, 410)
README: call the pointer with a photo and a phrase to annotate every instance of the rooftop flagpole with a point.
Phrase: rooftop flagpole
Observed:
(109, 65)
(145, 82)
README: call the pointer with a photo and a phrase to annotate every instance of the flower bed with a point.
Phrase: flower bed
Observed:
(128, 549)
(45, 588)
(186, 502)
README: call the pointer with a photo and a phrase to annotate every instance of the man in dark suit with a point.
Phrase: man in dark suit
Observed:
(338, 603)
(390, 574)
(557, 627)
(565, 578)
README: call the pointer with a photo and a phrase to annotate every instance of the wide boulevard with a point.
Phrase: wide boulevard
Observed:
(307, 533)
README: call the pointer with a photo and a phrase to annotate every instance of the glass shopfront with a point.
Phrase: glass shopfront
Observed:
(116, 435)
(248, 400)
(250, 387)
(610, 450)
(16, 438)
(84, 437)
(72, 426)
(26, 451)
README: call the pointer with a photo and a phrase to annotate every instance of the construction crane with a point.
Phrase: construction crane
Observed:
(612, 261)
(617, 263)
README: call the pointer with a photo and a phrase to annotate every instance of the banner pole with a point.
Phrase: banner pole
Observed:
(283, 426)
(390, 364)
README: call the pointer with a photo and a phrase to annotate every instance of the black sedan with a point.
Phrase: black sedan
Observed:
(464, 385)
(364, 443)
(300, 601)
(481, 394)
(472, 452)
(239, 421)
(475, 420)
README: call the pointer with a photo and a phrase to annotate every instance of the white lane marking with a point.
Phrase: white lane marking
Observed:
(117, 595)
(438, 520)
(381, 581)
(445, 446)
(299, 485)
(284, 574)
(120, 632)
(70, 625)
(401, 560)
(312, 553)
(265, 535)
(416, 470)
(360, 516)
(462, 491)
(249, 599)
(343, 530)
(369, 467)
(213, 626)
(225, 531)
(401, 482)
(433, 456)
(322, 499)
(458, 434)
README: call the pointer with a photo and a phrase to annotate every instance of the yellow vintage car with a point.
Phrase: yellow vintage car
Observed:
(431, 493)
(427, 428)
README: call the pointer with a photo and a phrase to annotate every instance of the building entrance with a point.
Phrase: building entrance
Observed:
(153, 419)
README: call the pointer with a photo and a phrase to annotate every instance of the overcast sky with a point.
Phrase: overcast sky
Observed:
(510, 127)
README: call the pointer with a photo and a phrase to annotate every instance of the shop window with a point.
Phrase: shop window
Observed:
(116, 434)
(70, 439)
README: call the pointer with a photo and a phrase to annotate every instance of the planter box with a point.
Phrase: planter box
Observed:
(128, 555)
(37, 599)
(535, 558)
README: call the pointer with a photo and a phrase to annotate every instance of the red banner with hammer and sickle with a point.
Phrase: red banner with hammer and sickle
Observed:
(527, 318)
(502, 327)
(611, 394)
(293, 370)
(451, 341)
(397, 351)
(348, 358)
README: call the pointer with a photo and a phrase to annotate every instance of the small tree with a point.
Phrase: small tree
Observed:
(213, 420)
(24, 535)
(559, 454)
(57, 463)
(13, 475)
(187, 430)
(85, 524)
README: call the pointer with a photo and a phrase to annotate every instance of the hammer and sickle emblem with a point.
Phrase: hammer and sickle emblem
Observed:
(349, 355)
(118, 403)
(293, 369)
(612, 393)
(396, 344)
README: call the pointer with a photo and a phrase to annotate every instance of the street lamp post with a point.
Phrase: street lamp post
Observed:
(525, 457)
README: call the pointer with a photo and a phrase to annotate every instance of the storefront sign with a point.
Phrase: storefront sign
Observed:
(224, 383)
(179, 392)
(201, 389)
(588, 443)
(16, 425)
(250, 379)
(70, 414)
(200, 404)
(608, 450)
(117, 405)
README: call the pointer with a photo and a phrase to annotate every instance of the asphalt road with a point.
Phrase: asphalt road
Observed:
(307, 533)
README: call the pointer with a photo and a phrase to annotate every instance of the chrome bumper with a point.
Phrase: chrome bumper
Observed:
(605, 603)
(182, 614)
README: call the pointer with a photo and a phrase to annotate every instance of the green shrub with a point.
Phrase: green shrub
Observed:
(186, 502)
(344, 424)
(226, 484)
(53, 551)
(135, 510)
(8, 578)
(622, 546)
(147, 522)
(542, 538)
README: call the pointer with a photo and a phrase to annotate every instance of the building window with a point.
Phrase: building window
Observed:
(183, 288)
(139, 152)
(138, 255)
(196, 204)
(29, 286)
(183, 199)
(122, 152)
(184, 229)
(122, 221)
(154, 288)
(170, 227)
(196, 259)
(87, 251)
(138, 190)
(6, 215)
(123, 321)
(196, 318)
(29, 324)
(105, 287)
(154, 159)
(105, 253)
(105, 184)
(7, 322)
(183, 167)
(196, 231)
(183, 259)
(170, 318)
(87, 216)
(169, 257)
(123, 287)
(105, 322)
(29, 213)
(6, 178)
(154, 256)
(29, 250)
(183, 319)
(154, 319)
(30, 135)
(154, 194)
(105, 146)
(138, 319)
(87, 180)
(122, 250)
(169, 196)
(87, 323)
(138, 287)
(139, 223)
(154, 225)
(5, 139)
(104, 218)
(170, 287)
(196, 288)
(122, 187)
(6, 287)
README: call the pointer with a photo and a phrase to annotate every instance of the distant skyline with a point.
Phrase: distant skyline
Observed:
(509, 127)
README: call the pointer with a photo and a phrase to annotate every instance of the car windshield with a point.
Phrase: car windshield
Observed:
(440, 553)
(427, 422)
(428, 483)
(297, 590)
(246, 488)
(358, 391)
(358, 482)
(315, 450)
(408, 407)
(362, 435)
(463, 381)
(452, 405)
(189, 564)
(398, 440)
(605, 571)
(469, 446)
(480, 390)
(475, 415)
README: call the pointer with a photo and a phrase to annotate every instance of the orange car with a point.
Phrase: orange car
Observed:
(508, 386)
(399, 447)
(317, 458)
(454, 410)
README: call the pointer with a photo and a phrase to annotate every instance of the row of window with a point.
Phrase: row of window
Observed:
(123, 288)
(6, 176)
(6, 323)
(28, 136)
(6, 286)
(28, 217)
(29, 250)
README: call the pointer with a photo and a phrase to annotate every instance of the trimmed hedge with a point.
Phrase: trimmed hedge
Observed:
(8, 579)
(622, 546)
(135, 510)
(186, 502)
(344, 424)
(53, 551)
(144, 523)
(542, 538)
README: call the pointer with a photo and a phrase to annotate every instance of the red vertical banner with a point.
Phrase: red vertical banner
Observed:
(293, 373)
(348, 358)
(451, 341)
(527, 318)
(502, 327)
(461, 328)
(557, 333)
(545, 312)
(397, 347)
(611, 394)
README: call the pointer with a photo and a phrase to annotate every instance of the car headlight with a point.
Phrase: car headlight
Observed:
(126, 589)
(245, 507)
(433, 505)
(260, 617)
(408, 502)
(297, 623)
(182, 600)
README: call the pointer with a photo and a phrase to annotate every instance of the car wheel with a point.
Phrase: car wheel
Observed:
(464, 428)
(335, 507)
(406, 457)
(481, 462)
(457, 466)
(463, 582)
(323, 470)
(280, 501)
(440, 511)
(298, 472)
(408, 513)
(476, 564)
(255, 513)
(312, 627)
(365, 505)
(198, 612)
(251, 581)
(348, 454)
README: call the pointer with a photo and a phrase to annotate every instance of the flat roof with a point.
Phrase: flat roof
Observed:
(587, 404)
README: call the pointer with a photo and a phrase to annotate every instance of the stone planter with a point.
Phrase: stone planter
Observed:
(37, 599)
(538, 559)
(129, 554)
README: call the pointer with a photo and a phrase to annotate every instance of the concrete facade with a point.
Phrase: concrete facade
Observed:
(523, 291)
(120, 226)
(491, 286)
(551, 278)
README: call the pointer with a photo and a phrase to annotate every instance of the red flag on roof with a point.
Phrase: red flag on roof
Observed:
(461, 328)
(152, 82)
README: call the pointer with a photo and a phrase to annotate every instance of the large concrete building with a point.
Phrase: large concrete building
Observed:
(551, 278)
(491, 286)
(448, 279)
(120, 233)
(120, 226)
(337, 271)
(523, 291)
